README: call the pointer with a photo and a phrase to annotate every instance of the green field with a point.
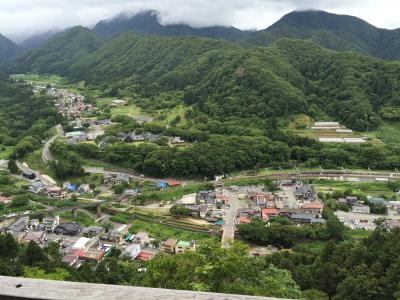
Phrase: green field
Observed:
(58, 81)
(170, 194)
(364, 188)
(163, 232)
(83, 218)
(388, 133)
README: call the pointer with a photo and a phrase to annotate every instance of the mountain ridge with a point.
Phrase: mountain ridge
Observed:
(147, 22)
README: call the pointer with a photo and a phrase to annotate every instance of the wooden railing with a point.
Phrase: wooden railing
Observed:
(25, 288)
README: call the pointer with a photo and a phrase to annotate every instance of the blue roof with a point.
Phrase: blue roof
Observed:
(220, 223)
(72, 187)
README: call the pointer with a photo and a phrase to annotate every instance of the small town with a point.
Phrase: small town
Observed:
(202, 150)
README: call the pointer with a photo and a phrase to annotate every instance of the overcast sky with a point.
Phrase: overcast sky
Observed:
(22, 18)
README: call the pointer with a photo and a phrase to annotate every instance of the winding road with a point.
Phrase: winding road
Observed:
(46, 154)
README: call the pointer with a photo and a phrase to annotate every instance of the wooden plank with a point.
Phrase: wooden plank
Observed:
(25, 288)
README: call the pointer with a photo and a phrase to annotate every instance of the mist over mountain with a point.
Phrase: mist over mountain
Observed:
(8, 50)
(147, 22)
(37, 40)
(332, 31)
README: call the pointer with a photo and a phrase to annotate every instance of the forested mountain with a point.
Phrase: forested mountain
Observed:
(336, 32)
(57, 54)
(8, 50)
(224, 80)
(36, 41)
(24, 117)
(147, 22)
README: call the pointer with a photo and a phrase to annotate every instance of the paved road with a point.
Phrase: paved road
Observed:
(228, 234)
(289, 192)
(46, 154)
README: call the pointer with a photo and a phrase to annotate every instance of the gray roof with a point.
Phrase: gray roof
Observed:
(20, 224)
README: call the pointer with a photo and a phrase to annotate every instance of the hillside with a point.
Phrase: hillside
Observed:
(59, 52)
(147, 22)
(8, 50)
(36, 41)
(225, 80)
(332, 31)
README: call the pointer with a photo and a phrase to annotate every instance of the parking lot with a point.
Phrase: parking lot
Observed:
(362, 221)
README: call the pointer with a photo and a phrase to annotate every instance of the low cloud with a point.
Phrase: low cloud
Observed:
(22, 18)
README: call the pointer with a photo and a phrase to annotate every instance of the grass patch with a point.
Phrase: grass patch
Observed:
(121, 218)
(5, 151)
(163, 232)
(35, 162)
(365, 188)
(388, 133)
(128, 110)
(82, 218)
(358, 234)
(170, 194)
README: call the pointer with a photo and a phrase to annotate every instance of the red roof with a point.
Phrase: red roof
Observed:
(314, 205)
(267, 212)
(244, 220)
(174, 183)
(145, 256)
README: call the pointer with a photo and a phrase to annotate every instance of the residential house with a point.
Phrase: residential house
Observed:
(72, 260)
(183, 246)
(71, 228)
(112, 236)
(169, 246)
(84, 189)
(132, 251)
(203, 211)
(34, 236)
(50, 223)
(206, 197)
(315, 207)
(146, 255)
(188, 199)
(360, 208)
(29, 174)
(351, 199)
(305, 193)
(36, 187)
(56, 192)
(194, 210)
(92, 231)
(304, 218)
(244, 220)
(34, 224)
(117, 179)
(142, 238)
(19, 225)
(268, 213)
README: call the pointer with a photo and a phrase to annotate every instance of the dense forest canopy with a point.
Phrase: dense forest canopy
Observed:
(225, 80)
(24, 117)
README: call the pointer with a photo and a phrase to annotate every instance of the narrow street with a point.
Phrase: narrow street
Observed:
(228, 234)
